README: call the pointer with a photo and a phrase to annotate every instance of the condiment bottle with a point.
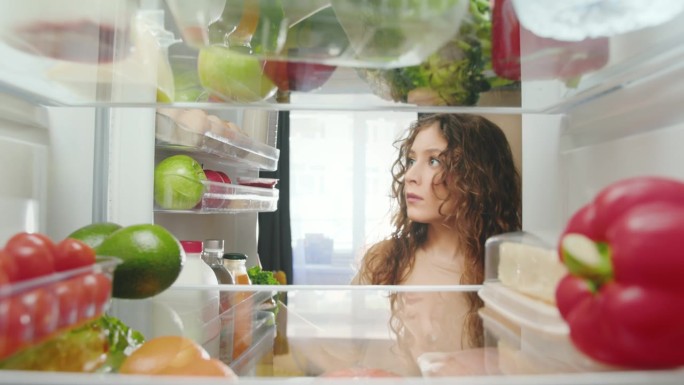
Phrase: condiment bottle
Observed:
(198, 310)
(212, 253)
(241, 301)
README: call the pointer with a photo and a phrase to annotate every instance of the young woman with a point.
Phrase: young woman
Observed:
(455, 185)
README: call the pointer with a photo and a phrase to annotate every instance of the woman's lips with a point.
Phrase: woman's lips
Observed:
(411, 198)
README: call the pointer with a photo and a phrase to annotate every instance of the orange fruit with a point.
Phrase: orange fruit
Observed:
(211, 368)
(165, 353)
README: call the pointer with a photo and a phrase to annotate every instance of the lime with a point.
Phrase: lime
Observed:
(95, 233)
(152, 259)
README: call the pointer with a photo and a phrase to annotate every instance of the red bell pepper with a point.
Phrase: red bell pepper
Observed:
(514, 46)
(623, 298)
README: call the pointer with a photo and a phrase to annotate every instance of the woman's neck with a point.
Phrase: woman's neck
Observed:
(441, 240)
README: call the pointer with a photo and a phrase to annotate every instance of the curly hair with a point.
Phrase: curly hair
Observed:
(484, 199)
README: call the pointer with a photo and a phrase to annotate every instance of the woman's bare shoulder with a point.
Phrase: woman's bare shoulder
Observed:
(374, 256)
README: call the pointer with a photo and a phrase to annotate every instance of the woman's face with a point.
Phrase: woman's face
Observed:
(423, 191)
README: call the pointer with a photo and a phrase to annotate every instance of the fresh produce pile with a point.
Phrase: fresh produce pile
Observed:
(47, 287)
(622, 298)
(455, 75)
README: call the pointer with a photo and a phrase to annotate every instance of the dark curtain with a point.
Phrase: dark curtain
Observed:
(275, 239)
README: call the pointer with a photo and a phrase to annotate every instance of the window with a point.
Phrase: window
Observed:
(340, 164)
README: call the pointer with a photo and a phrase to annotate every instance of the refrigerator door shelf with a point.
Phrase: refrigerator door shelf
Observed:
(219, 198)
(221, 141)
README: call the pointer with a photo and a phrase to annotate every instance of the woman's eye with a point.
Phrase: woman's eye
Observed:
(435, 162)
(410, 162)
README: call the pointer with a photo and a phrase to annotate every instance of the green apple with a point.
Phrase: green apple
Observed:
(178, 183)
(233, 76)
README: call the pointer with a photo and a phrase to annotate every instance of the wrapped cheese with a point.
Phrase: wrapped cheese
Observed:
(531, 270)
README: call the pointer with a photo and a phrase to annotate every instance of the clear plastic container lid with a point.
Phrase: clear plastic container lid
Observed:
(522, 310)
(362, 33)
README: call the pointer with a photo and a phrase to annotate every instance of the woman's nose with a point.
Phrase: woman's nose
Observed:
(412, 174)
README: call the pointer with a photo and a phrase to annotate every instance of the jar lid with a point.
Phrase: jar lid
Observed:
(192, 246)
(235, 256)
(213, 244)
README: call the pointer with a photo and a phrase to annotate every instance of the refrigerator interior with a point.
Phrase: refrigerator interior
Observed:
(82, 140)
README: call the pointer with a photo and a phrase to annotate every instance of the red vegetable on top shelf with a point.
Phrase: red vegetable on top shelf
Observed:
(519, 54)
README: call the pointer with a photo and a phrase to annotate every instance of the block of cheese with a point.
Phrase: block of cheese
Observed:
(531, 270)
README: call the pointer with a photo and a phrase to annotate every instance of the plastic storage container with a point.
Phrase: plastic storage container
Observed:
(260, 345)
(523, 262)
(32, 311)
(80, 51)
(347, 32)
(70, 30)
(196, 311)
(535, 338)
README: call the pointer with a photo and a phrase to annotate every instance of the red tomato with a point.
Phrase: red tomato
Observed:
(67, 293)
(91, 289)
(72, 253)
(103, 291)
(32, 253)
(44, 309)
(15, 325)
(8, 268)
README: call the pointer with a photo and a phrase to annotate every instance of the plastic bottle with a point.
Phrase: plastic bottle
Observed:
(241, 301)
(212, 253)
(197, 310)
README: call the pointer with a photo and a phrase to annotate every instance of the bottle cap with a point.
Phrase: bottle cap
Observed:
(213, 244)
(192, 246)
(235, 256)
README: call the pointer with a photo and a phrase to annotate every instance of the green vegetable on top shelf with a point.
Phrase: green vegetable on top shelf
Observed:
(455, 75)
(261, 277)
(391, 33)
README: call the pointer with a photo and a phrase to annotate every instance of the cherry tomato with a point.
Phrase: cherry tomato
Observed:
(103, 291)
(8, 268)
(32, 253)
(72, 253)
(44, 309)
(16, 329)
(67, 293)
(91, 300)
